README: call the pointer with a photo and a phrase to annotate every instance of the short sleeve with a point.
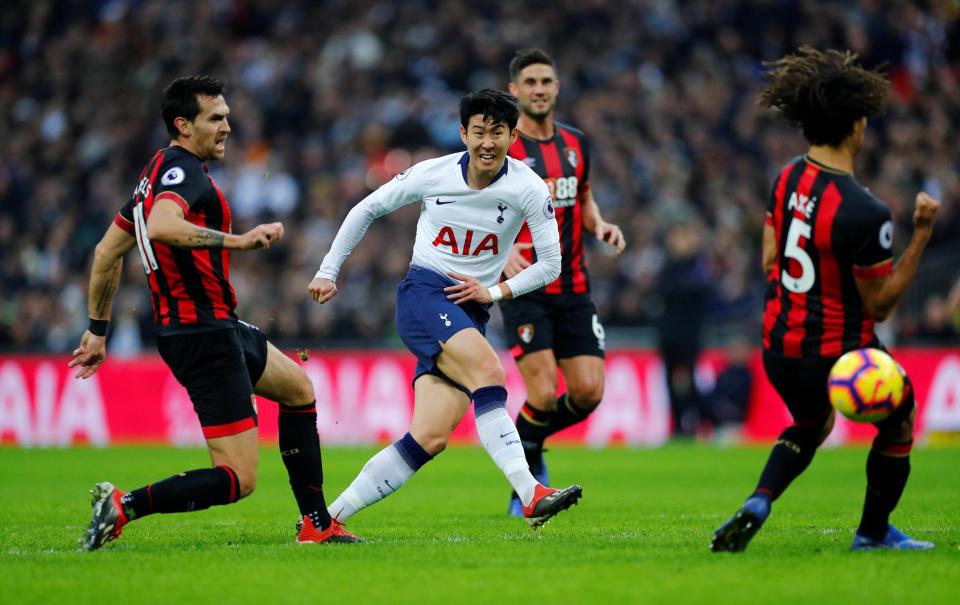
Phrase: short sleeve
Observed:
(772, 202)
(873, 243)
(124, 218)
(183, 180)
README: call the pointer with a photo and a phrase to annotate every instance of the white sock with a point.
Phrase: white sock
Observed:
(382, 475)
(500, 438)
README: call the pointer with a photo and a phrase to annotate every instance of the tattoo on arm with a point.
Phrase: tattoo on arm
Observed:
(103, 288)
(201, 237)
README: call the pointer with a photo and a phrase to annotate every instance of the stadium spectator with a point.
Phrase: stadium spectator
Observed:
(665, 86)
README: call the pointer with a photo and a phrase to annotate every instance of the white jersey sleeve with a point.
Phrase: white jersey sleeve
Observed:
(403, 189)
(541, 218)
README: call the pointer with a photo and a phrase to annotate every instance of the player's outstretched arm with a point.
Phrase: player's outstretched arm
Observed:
(167, 225)
(104, 280)
(594, 223)
(880, 295)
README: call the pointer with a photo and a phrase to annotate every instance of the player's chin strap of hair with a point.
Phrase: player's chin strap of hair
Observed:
(98, 327)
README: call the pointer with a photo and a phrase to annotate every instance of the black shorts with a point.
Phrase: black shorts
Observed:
(219, 368)
(566, 323)
(802, 384)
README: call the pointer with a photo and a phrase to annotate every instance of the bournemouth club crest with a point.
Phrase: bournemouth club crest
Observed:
(525, 333)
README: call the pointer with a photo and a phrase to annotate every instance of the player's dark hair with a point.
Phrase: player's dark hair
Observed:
(492, 104)
(180, 98)
(525, 58)
(825, 93)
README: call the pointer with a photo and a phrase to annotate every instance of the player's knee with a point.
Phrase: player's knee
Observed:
(302, 392)
(247, 478)
(586, 394)
(826, 427)
(491, 374)
(897, 431)
(433, 443)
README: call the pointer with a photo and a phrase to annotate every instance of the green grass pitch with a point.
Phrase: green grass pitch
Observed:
(640, 534)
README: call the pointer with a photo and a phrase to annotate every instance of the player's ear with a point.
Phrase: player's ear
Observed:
(184, 126)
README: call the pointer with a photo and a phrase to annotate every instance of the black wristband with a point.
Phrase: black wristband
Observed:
(98, 327)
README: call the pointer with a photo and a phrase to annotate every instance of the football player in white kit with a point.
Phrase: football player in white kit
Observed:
(472, 207)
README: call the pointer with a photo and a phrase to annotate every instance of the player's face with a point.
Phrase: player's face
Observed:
(210, 128)
(487, 143)
(536, 89)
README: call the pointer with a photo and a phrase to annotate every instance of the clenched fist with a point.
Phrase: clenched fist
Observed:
(261, 236)
(925, 211)
(322, 289)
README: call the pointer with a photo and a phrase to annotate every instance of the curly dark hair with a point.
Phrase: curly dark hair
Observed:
(824, 92)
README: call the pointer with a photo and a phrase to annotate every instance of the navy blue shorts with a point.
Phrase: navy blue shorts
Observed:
(426, 318)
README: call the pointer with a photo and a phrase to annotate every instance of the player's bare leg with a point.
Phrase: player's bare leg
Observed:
(438, 408)
(468, 359)
(285, 382)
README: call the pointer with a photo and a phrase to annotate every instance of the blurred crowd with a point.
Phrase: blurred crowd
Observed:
(330, 99)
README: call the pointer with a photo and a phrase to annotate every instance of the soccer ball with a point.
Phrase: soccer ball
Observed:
(865, 385)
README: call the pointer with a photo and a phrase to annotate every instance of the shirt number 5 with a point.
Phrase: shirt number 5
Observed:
(803, 282)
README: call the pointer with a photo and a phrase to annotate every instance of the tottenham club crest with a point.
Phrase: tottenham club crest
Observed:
(573, 158)
(525, 333)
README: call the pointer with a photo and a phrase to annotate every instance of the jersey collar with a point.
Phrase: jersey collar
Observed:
(465, 160)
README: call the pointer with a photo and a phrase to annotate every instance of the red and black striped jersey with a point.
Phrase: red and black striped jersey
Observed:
(563, 162)
(829, 231)
(190, 287)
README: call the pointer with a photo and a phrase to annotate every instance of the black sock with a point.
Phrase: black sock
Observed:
(300, 450)
(566, 414)
(533, 427)
(790, 456)
(193, 490)
(887, 470)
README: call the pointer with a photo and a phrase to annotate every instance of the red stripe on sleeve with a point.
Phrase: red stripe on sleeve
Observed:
(874, 271)
(123, 223)
(175, 198)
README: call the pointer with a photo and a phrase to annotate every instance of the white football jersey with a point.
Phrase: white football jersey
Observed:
(463, 230)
